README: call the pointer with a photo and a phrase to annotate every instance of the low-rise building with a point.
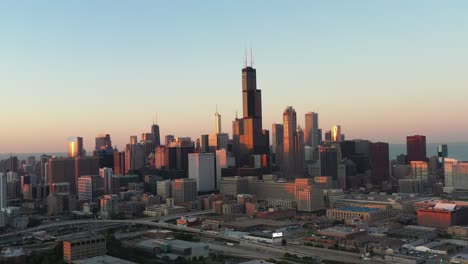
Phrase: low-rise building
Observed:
(443, 215)
(174, 248)
(458, 231)
(77, 249)
(343, 232)
(364, 214)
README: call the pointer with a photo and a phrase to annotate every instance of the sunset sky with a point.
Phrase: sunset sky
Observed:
(380, 69)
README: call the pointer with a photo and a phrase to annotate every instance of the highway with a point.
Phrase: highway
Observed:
(325, 254)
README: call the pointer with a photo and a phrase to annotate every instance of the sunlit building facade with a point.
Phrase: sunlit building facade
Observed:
(75, 147)
(336, 133)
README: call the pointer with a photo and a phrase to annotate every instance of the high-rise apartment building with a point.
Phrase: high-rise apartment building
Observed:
(416, 148)
(311, 133)
(248, 136)
(75, 147)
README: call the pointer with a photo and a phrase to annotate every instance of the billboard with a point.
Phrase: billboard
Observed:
(278, 234)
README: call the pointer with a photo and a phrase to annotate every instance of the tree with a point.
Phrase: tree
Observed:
(283, 242)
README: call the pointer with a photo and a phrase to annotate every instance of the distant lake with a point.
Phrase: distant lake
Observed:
(457, 151)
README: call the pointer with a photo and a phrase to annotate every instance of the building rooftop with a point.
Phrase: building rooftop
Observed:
(340, 230)
(445, 206)
(151, 243)
(103, 260)
(357, 209)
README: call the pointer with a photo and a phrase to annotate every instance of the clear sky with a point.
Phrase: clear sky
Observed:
(380, 69)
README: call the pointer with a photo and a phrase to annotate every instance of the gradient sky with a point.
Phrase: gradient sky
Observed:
(380, 69)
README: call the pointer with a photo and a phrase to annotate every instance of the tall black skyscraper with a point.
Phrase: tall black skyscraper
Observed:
(155, 132)
(248, 136)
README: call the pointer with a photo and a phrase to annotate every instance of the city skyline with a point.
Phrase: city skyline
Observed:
(72, 79)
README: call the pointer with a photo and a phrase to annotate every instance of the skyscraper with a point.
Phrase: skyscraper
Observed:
(336, 133)
(328, 158)
(201, 167)
(168, 139)
(75, 147)
(416, 148)
(67, 170)
(442, 153)
(289, 145)
(106, 175)
(156, 137)
(217, 123)
(103, 142)
(300, 151)
(204, 143)
(277, 135)
(248, 136)
(328, 136)
(380, 164)
(311, 133)
(133, 140)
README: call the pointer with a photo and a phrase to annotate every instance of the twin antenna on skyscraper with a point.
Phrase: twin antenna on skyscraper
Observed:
(251, 58)
(155, 119)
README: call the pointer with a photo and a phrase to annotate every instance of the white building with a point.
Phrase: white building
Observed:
(201, 167)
